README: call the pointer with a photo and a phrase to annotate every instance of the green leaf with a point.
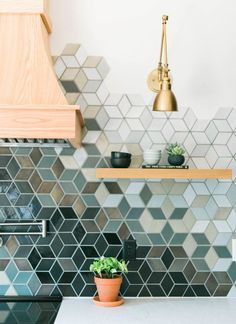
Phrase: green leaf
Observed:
(108, 267)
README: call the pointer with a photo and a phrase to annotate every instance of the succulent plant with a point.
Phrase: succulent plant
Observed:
(175, 149)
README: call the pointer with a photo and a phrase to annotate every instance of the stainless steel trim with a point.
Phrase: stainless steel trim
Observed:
(43, 224)
(29, 142)
(23, 144)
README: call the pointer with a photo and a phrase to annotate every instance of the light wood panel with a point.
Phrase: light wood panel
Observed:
(38, 121)
(27, 75)
(164, 173)
(27, 7)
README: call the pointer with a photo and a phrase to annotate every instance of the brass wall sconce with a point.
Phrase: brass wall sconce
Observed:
(159, 79)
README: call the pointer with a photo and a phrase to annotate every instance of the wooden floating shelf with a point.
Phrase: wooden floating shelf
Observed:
(112, 173)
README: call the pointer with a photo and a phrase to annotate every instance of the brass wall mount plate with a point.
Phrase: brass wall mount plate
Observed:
(153, 81)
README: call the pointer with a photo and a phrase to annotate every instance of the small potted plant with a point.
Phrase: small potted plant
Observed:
(108, 278)
(175, 154)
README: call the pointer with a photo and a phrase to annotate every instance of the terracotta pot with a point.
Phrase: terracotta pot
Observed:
(108, 289)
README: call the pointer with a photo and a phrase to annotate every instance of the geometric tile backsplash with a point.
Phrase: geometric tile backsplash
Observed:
(183, 228)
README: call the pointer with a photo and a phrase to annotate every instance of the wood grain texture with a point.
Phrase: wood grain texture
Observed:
(27, 75)
(28, 7)
(37, 121)
(107, 173)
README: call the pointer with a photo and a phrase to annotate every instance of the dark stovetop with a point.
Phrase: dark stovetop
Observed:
(29, 310)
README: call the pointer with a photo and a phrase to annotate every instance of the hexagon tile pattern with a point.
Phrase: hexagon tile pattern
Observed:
(184, 229)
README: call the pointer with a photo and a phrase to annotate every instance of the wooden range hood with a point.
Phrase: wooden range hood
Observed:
(32, 104)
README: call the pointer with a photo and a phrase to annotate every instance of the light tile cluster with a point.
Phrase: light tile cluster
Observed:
(183, 229)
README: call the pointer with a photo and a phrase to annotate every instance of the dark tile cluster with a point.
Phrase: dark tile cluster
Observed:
(39, 186)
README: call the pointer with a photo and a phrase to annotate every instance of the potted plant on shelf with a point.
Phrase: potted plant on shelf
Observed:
(175, 154)
(108, 278)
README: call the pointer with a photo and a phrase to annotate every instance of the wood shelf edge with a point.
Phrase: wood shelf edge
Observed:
(139, 173)
(40, 107)
(28, 7)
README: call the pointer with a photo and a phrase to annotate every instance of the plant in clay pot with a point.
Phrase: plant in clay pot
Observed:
(175, 154)
(108, 278)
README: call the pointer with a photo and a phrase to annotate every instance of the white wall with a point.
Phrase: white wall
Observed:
(201, 37)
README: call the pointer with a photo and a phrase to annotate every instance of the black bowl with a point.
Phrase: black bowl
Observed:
(120, 163)
(120, 155)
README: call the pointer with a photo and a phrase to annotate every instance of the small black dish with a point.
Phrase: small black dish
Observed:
(120, 155)
(120, 163)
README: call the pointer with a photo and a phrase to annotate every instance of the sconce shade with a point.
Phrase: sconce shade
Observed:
(165, 101)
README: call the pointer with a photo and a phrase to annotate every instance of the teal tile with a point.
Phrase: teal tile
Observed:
(91, 162)
(23, 151)
(201, 251)
(90, 200)
(178, 213)
(134, 226)
(124, 207)
(46, 200)
(232, 271)
(92, 125)
(22, 277)
(178, 238)
(156, 239)
(142, 239)
(157, 213)
(200, 265)
(68, 187)
(4, 200)
(3, 290)
(4, 160)
(103, 164)
(11, 270)
(200, 239)
(4, 253)
(222, 252)
(46, 175)
(68, 151)
(91, 149)
(79, 181)
(48, 151)
(167, 232)
(22, 290)
(68, 175)
(146, 194)
(47, 162)
(24, 187)
(34, 284)
(113, 226)
(135, 213)
(13, 167)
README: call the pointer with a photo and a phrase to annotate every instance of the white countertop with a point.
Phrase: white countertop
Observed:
(150, 311)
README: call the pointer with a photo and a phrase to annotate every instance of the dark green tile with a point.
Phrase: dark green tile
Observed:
(92, 125)
(157, 213)
(145, 194)
(178, 213)
(222, 251)
(13, 167)
(167, 233)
